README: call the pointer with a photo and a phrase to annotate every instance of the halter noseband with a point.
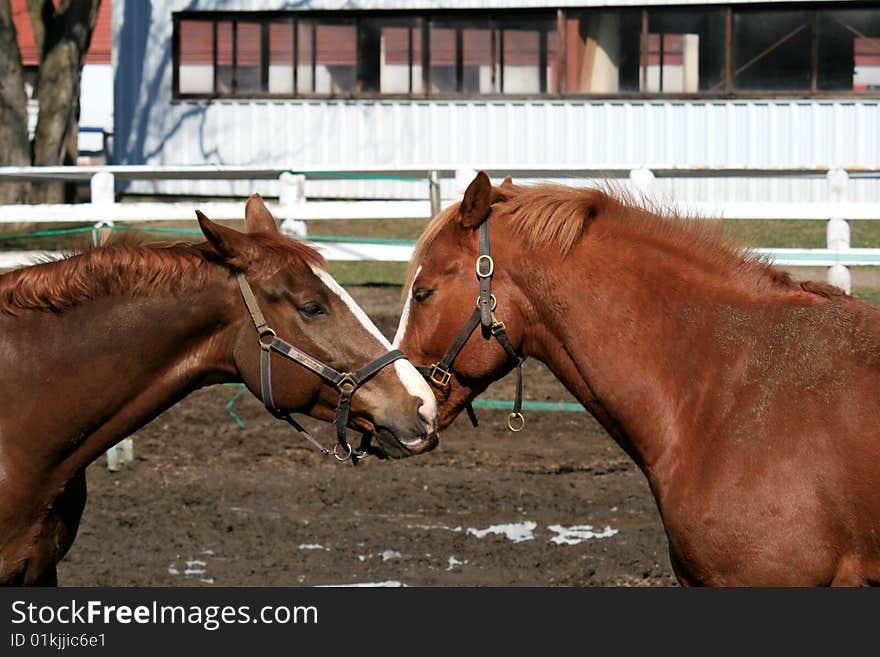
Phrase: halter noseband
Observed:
(440, 372)
(345, 382)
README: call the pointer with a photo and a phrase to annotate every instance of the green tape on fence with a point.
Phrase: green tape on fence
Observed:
(359, 176)
(235, 416)
(342, 239)
(48, 232)
(495, 404)
(530, 405)
(169, 231)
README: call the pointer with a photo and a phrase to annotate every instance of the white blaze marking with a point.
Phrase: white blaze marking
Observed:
(404, 316)
(406, 372)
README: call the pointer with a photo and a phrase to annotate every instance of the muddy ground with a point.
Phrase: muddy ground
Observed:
(208, 503)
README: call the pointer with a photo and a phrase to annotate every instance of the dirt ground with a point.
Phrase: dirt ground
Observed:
(208, 503)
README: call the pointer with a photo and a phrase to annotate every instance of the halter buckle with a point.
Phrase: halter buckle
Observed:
(493, 302)
(497, 327)
(347, 380)
(444, 375)
(480, 260)
(516, 421)
(266, 333)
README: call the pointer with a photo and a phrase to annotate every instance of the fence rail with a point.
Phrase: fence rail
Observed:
(294, 208)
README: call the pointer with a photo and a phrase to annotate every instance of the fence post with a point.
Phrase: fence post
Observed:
(103, 188)
(434, 192)
(837, 234)
(120, 454)
(103, 191)
(643, 180)
(293, 192)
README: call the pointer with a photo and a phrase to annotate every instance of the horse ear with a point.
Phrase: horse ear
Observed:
(232, 246)
(257, 218)
(503, 191)
(474, 206)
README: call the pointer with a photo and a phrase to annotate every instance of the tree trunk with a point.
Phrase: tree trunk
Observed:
(14, 146)
(63, 35)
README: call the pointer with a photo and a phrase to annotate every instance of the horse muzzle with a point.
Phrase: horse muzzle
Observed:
(398, 444)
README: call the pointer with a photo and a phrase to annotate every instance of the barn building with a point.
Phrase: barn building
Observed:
(576, 83)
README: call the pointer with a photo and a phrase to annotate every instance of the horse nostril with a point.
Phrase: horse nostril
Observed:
(428, 413)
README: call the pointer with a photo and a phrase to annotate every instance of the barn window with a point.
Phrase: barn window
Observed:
(772, 50)
(849, 50)
(626, 51)
(603, 51)
(685, 51)
(494, 56)
(196, 58)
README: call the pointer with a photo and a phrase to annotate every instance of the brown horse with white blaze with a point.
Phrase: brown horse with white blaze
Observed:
(751, 402)
(94, 346)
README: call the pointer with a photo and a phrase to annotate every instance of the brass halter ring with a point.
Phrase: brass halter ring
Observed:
(485, 258)
(516, 421)
(493, 302)
(266, 333)
(345, 457)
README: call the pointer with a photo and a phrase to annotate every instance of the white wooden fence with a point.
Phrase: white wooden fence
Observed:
(294, 208)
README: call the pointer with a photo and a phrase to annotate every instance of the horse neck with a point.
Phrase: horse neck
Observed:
(92, 375)
(632, 332)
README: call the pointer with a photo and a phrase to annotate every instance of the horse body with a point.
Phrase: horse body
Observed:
(749, 402)
(740, 412)
(94, 347)
(70, 392)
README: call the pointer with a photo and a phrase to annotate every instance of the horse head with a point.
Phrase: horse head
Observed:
(452, 274)
(290, 306)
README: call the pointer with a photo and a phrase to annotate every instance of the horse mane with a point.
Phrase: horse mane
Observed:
(132, 269)
(557, 216)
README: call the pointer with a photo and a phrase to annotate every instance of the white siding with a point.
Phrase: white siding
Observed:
(151, 129)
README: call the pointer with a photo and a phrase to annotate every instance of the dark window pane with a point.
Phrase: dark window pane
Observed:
(248, 52)
(305, 79)
(771, 49)
(553, 71)
(335, 58)
(603, 51)
(521, 72)
(399, 73)
(686, 51)
(224, 57)
(196, 64)
(477, 74)
(849, 50)
(281, 57)
(443, 60)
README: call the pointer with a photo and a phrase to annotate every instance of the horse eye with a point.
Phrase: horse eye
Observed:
(312, 309)
(422, 294)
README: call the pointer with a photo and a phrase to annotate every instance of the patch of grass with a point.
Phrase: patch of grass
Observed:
(869, 294)
(793, 233)
(368, 273)
(409, 229)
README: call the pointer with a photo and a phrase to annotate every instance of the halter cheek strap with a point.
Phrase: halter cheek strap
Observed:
(440, 372)
(345, 382)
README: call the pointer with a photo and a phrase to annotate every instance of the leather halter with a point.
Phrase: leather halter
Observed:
(345, 382)
(440, 372)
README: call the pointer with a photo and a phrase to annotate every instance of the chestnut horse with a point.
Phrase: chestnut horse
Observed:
(94, 346)
(750, 402)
